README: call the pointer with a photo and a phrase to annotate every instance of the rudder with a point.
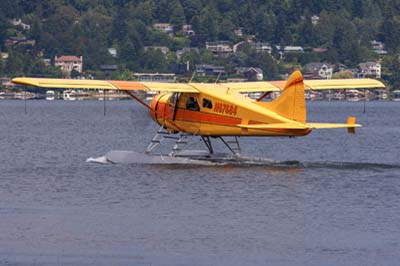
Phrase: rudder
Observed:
(291, 103)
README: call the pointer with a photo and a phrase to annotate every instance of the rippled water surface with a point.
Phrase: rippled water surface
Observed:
(340, 206)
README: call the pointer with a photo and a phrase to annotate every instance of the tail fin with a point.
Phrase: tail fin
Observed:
(291, 103)
(351, 120)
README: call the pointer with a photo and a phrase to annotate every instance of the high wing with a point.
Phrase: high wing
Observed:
(105, 84)
(328, 84)
(318, 84)
(259, 86)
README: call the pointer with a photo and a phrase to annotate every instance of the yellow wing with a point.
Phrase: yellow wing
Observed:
(257, 86)
(104, 84)
(260, 86)
(329, 84)
(319, 84)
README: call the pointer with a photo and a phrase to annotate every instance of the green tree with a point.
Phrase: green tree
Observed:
(11, 8)
(191, 8)
(177, 14)
(227, 29)
(145, 11)
(390, 32)
(264, 26)
(206, 23)
(14, 64)
(324, 30)
(306, 33)
(391, 65)
(3, 30)
(154, 61)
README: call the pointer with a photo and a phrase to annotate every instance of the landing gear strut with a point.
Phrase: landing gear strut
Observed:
(182, 140)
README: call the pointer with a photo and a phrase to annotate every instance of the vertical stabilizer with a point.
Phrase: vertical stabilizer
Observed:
(291, 103)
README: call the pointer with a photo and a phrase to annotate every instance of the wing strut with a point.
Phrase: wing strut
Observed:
(138, 99)
(264, 95)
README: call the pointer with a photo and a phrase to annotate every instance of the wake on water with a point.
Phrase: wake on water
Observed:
(131, 157)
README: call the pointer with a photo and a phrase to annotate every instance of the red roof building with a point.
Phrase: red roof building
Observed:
(69, 62)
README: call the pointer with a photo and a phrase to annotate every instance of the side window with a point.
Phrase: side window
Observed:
(173, 99)
(207, 103)
(191, 104)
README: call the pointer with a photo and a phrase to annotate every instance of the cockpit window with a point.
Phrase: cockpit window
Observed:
(174, 98)
(191, 104)
(207, 103)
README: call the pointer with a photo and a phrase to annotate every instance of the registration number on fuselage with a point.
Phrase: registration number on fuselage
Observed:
(225, 108)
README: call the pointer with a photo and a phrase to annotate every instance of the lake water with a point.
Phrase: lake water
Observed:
(340, 206)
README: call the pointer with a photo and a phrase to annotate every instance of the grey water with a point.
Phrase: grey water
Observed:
(339, 206)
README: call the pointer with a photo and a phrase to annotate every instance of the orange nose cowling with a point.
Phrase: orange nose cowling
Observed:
(157, 111)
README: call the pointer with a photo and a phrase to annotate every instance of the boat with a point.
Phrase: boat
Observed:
(69, 95)
(50, 95)
(354, 95)
(396, 95)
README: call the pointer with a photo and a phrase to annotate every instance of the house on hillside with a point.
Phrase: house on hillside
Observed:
(162, 49)
(250, 73)
(108, 68)
(112, 51)
(68, 63)
(317, 71)
(220, 48)
(238, 32)
(369, 70)
(164, 27)
(209, 70)
(290, 49)
(262, 47)
(18, 22)
(319, 50)
(314, 19)
(19, 41)
(4, 55)
(46, 61)
(159, 77)
(378, 47)
(184, 50)
(187, 30)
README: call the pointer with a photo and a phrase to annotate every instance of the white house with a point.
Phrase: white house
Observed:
(112, 51)
(291, 49)
(220, 48)
(164, 27)
(250, 73)
(18, 22)
(318, 70)
(69, 62)
(188, 30)
(369, 69)
(378, 47)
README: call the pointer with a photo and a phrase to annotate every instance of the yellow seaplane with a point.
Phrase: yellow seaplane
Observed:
(220, 110)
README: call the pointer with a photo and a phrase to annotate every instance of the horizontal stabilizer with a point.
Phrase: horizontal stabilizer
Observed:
(274, 126)
(351, 125)
(330, 125)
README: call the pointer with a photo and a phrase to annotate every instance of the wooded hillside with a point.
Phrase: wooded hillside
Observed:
(343, 30)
